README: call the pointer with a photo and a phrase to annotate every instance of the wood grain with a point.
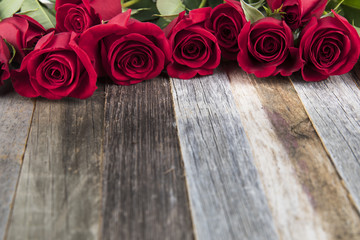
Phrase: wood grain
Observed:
(15, 118)
(334, 108)
(58, 196)
(144, 186)
(226, 197)
(306, 196)
(356, 74)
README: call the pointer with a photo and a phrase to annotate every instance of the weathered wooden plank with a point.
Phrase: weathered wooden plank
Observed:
(356, 72)
(58, 196)
(226, 197)
(15, 119)
(334, 108)
(305, 193)
(144, 186)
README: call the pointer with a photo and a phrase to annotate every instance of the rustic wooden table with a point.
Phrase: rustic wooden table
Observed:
(227, 156)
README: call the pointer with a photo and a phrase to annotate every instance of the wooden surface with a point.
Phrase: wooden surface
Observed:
(227, 156)
(144, 192)
(226, 196)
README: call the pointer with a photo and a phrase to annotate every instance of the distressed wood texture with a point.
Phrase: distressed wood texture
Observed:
(305, 193)
(334, 108)
(227, 200)
(144, 194)
(15, 118)
(58, 196)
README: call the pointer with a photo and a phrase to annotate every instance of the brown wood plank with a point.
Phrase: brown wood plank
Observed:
(15, 119)
(227, 199)
(144, 194)
(58, 196)
(305, 193)
(334, 109)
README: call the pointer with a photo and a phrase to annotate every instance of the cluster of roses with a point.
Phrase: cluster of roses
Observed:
(67, 60)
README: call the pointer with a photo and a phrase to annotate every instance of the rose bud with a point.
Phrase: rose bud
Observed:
(4, 61)
(267, 48)
(225, 22)
(77, 18)
(298, 12)
(56, 68)
(195, 50)
(22, 32)
(105, 8)
(328, 46)
(130, 51)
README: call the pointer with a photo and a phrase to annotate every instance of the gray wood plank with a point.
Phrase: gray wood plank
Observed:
(306, 195)
(15, 119)
(334, 108)
(144, 194)
(227, 199)
(58, 195)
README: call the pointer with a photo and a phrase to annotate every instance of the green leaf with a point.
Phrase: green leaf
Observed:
(214, 3)
(34, 9)
(191, 4)
(256, 3)
(357, 29)
(162, 22)
(9, 7)
(170, 7)
(352, 15)
(144, 10)
(352, 3)
(251, 13)
(12, 50)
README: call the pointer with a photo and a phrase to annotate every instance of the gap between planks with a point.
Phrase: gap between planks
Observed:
(307, 198)
(15, 117)
(334, 107)
(227, 200)
(58, 191)
(144, 192)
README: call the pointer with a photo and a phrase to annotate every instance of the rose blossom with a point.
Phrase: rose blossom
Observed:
(267, 48)
(105, 8)
(328, 46)
(56, 68)
(195, 50)
(129, 51)
(77, 18)
(22, 32)
(299, 12)
(4, 61)
(226, 21)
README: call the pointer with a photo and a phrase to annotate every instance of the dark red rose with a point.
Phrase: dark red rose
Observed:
(195, 50)
(77, 18)
(106, 8)
(56, 68)
(328, 46)
(226, 21)
(267, 48)
(4, 61)
(22, 32)
(128, 50)
(299, 12)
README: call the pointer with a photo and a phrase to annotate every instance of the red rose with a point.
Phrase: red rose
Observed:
(4, 61)
(328, 46)
(299, 12)
(226, 21)
(106, 8)
(77, 18)
(22, 32)
(267, 48)
(195, 50)
(130, 51)
(56, 68)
